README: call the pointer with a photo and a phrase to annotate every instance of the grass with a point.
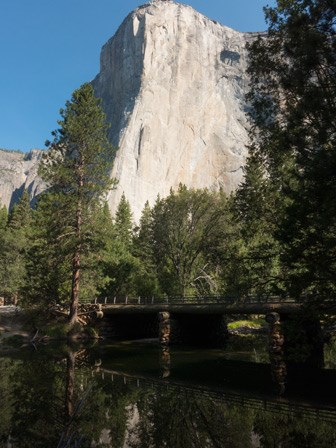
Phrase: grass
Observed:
(55, 330)
(253, 323)
(13, 341)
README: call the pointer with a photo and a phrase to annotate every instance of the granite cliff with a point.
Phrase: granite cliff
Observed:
(18, 171)
(173, 86)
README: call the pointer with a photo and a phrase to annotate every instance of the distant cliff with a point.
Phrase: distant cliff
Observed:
(173, 86)
(18, 171)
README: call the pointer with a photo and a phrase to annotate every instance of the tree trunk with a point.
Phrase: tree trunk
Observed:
(70, 385)
(76, 261)
(74, 290)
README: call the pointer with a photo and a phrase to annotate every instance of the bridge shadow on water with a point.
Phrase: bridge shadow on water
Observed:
(213, 370)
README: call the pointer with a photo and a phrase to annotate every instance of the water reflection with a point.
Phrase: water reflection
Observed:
(276, 352)
(165, 361)
(97, 398)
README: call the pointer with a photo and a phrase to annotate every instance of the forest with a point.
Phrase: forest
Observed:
(275, 235)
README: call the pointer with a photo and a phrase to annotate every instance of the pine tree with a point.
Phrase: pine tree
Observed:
(293, 113)
(20, 215)
(77, 168)
(3, 219)
(146, 277)
(145, 235)
(48, 259)
(15, 243)
(254, 210)
(120, 263)
(123, 222)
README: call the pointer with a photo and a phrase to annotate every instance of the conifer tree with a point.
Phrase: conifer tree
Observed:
(123, 222)
(15, 244)
(77, 168)
(120, 263)
(145, 234)
(20, 215)
(293, 114)
(146, 277)
(48, 274)
(3, 218)
(254, 211)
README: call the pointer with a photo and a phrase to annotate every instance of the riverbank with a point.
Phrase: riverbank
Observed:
(248, 327)
(21, 327)
(12, 328)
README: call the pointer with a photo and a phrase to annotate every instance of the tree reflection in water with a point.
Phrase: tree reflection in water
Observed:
(104, 410)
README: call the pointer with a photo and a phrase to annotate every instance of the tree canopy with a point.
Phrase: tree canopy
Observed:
(293, 113)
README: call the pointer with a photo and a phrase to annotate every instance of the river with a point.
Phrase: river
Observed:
(137, 395)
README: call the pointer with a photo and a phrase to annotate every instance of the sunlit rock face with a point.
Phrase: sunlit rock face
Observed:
(18, 171)
(173, 86)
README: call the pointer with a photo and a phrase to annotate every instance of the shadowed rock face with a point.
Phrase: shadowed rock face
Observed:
(173, 85)
(18, 172)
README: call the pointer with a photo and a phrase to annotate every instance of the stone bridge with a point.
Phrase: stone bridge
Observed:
(203, 320)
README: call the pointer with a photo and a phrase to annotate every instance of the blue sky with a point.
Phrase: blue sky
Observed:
(48, 48)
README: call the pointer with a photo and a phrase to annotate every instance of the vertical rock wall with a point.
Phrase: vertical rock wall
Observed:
(18, 171)
(173, 86)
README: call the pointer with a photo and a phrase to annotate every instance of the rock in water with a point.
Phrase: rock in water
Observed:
(173, 86)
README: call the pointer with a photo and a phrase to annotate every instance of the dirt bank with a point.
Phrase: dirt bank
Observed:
(11, 324)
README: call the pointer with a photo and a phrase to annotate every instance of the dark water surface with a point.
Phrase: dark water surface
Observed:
(137, 395)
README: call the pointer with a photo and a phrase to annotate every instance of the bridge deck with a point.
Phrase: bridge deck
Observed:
(219, 308)
(213, 305)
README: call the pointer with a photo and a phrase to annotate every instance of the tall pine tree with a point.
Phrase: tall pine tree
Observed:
(293, 112)
(146, 278)
(120, 263)
(77, 169)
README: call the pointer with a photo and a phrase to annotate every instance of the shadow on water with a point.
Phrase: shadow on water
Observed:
(139, 395)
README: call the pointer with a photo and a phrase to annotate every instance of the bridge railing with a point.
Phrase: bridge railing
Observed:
(280, 406)
(194, 300)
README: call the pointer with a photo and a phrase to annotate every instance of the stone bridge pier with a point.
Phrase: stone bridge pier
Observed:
(295, 340)
(170, 328)
(199, 329)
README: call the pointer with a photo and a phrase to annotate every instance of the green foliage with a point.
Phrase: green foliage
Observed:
(15, 240)
(123, 222)
(3, 219)
(77, 168)
(181, 225)
(146, 278)
(254, 209)
(48, 261)
(255, 323)
(20, 215)
(46, 395)
(119, 262)
(293, 114)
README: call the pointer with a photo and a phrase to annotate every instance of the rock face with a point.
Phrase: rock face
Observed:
(18, 171)
(173, 86)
